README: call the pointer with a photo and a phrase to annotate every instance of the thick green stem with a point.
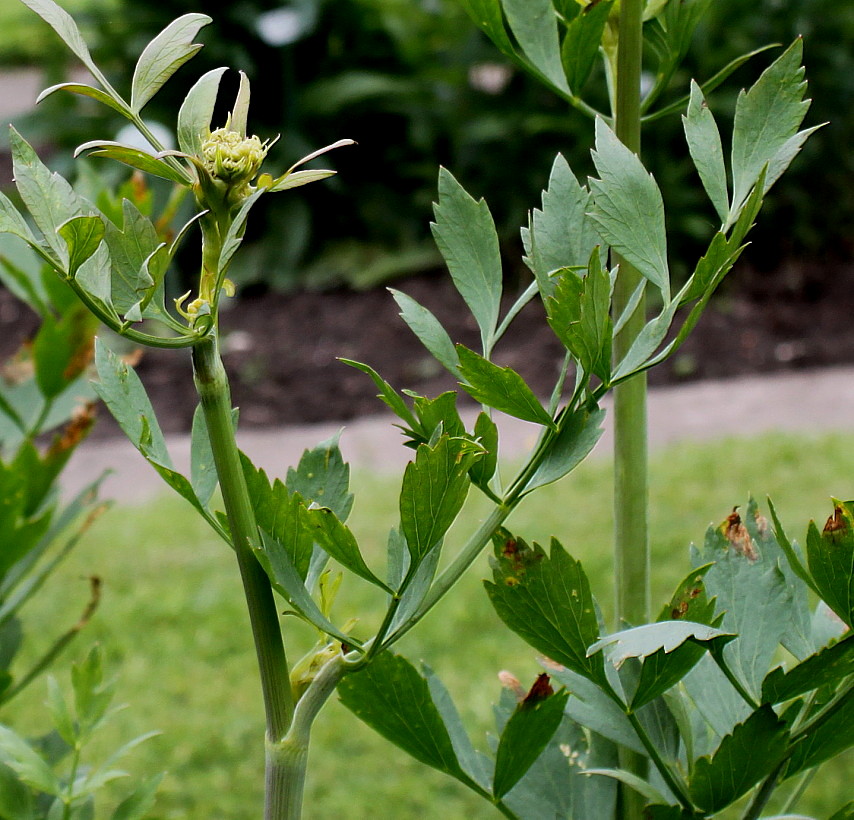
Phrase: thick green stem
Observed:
(631, 545)
(213, 389)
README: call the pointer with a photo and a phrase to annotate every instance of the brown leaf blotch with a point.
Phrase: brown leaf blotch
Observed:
(541, 690)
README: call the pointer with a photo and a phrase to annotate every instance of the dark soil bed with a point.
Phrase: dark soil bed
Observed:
(281, 349)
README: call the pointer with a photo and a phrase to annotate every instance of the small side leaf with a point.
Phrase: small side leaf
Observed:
(704, 145)
(429, 331)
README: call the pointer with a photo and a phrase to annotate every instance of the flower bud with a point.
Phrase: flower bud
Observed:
(231, 157)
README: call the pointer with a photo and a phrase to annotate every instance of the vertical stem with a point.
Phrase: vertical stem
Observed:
(631, 546)
(212, 386)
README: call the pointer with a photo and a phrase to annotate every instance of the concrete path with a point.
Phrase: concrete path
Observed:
(817, 401)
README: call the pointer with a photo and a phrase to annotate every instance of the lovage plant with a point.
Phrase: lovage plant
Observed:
(579, 245)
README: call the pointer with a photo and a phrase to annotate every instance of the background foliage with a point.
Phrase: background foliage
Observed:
(415, 84)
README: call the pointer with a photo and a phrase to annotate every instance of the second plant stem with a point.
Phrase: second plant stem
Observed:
(213, 388)
(631, 545)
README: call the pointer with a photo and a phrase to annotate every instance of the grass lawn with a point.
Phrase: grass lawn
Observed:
(173, 626)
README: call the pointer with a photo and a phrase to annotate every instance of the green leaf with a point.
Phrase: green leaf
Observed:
(488, 16)
(19, 756)
(465, 235)
(63, 24)
(754, 596)
(628, 208)
(322, 477)
(82, 235)
(845, 813)
(830, 555)
(704, 144)
(300, 178)
(429, 331)
(395, 701)
(59, 712)
(631, 780)
(534, 24)
(577, 436)
(581, 43)
(387, 393)
(12, 222)
(135, 158)
(203, 476)
(547, 602)
(434, 489)
(16, 800)
(122, 391)
(562, 234)
(56, 347)
(826, 668)
(743, 758)
(194, 116)
(501, 388)
(281, 514)
(336, 539)
(439, 411)
(689, 602)
(234, 235)
(86, 91)
(163, 56)
(525, 736)
(130, 246)
(486, 433)
(49, 198)
(579, 312)
(766, 118)
(826, 740)
(92, 696)
(276, 562)
(668, 649)
(140, 802)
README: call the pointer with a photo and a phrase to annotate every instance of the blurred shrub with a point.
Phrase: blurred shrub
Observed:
(416, 85)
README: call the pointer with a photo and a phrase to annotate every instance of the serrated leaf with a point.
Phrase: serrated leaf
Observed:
(580, 47)
(576, 439)
(194, 116)
(579, 312)
(130, 246)
(826, 668)
(744, 757)
(766, 118)
(546, 600)
(466, 237)
(387, 393)
(322, 477)
(752, 592)
(163, 56)
(525, 736)
(283, 575)
(429, 331)
(434, 489)
(393, 699)
(628, 208)
(830, 555)
(704, 145)
(534, 24)
(49, 198)
(122, 391)
(562, 233)
(442, 411)
(82, 235)
(485, 432)
(668, 649)
(501, 388)
(337, 540)
(12, 222)
(30, 767)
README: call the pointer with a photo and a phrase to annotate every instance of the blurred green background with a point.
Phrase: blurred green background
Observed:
(417, 85)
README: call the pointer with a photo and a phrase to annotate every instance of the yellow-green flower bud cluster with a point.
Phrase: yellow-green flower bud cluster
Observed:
(231, 157)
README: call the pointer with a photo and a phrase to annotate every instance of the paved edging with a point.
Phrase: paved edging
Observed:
(814, 401)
